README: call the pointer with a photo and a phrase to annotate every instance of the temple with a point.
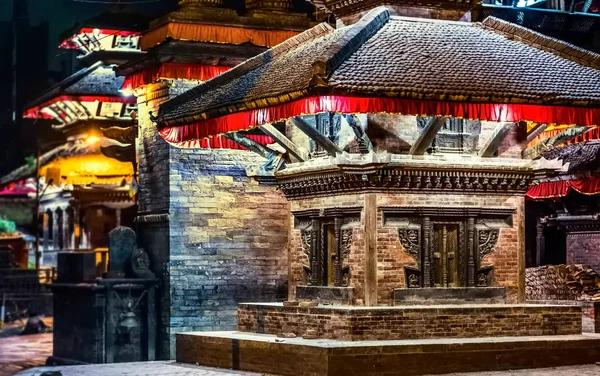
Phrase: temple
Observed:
(402, 147)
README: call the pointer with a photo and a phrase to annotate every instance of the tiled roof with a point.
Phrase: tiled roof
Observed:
(96, 80)
(584, 156)
(66, 150)
(493, 61)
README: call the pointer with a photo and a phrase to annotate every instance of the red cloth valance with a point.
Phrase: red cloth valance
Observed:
(313, 105)
(35, 112)
(173, 71)
(214, 34)
(560, 188)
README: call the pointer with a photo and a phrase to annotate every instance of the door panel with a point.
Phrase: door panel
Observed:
(445, 255)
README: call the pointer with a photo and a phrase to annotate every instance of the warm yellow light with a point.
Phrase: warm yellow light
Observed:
(92, 140)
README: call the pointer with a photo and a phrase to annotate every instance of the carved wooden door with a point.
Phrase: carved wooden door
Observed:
(446, 254)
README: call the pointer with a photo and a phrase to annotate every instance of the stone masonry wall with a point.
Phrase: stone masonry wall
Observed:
(228, 238)
(352, 324)
(508, 258)
(214, 237)
(582, 248)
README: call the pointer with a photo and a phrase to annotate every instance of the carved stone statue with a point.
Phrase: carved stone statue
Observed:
(121, 243)
(140, 264)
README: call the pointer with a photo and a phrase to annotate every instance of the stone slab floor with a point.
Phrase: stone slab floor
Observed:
(174, 369)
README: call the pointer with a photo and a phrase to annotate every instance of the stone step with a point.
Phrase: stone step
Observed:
(303, 357)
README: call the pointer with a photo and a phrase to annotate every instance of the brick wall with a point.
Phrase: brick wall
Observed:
(214, 236)
(508, 258)
(351, 324)
(582, 248)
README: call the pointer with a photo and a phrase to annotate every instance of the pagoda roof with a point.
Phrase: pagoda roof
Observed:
(98, 80)
(68, 149)
(583, 156)
(384, 56)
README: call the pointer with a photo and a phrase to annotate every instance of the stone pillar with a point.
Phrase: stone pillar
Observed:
(370, 220)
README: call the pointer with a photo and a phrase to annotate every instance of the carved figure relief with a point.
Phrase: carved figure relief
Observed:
(345, 244)
(411, 241)
(487, 240)
(306, 240)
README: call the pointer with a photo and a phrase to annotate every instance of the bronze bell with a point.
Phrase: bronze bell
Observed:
(129, 321)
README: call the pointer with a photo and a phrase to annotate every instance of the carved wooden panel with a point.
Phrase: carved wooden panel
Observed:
(410, 238)
(487, 240)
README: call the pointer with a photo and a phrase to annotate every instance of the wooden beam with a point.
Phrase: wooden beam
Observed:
(495, 140)
(331, 148)
(294, 150)
(423, 142)
(536, 131)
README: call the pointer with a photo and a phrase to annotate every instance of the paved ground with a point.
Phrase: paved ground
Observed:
(174, 369)
(19, 352)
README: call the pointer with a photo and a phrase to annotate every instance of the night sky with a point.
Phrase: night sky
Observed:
(62, 14)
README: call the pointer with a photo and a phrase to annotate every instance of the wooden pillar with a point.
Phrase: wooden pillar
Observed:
(540, 243)
(56, 216)
(370, 211)
(444, 260)
(337, 224)
(471, 247)
(118, 215)
(314, 254)
(46, 230)
(426, 252)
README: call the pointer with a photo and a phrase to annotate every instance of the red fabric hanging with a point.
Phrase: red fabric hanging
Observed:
(173, 71)
(552, 189)
(312, 105)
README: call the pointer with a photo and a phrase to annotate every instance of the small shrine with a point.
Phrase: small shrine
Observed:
(400, 144)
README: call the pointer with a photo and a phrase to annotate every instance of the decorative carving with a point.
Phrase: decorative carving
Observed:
(411, 241)
(140, 264)
(306, 241)
(413, 281)
(345, 244)
(390, 179)
(487, 240)
(482, 280)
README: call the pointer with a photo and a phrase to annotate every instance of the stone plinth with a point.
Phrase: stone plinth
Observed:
(480, 295)
(324, 294)
(302, 357)
(351, 323)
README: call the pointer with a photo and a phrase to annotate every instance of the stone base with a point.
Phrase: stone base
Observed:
(590, 319)
(353, 323)
(457, 295)
(301, 357)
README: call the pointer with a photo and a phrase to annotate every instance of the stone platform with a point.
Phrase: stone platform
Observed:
(302, 357)
(354, 323)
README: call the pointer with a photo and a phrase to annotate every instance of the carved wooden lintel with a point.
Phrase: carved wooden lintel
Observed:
(398, 180)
